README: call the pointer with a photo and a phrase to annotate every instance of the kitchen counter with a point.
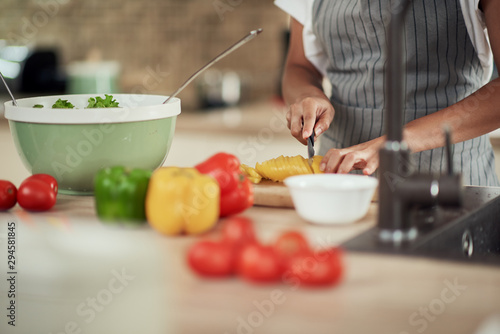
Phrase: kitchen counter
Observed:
(77, 275)
(75, 272)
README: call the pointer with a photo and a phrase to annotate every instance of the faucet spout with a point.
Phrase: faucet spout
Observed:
(395, 72)
(400, 188)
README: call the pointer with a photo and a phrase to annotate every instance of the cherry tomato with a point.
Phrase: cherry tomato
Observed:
(49, 179)
(290, 244)
(212, 258)
(8, 195)
(258, 263)
(317, 269)
(36, 195)
(238, 230)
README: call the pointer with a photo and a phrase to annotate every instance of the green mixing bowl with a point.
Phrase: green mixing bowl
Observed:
(73, 144)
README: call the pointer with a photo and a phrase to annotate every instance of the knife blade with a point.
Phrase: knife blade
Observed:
(310, 148)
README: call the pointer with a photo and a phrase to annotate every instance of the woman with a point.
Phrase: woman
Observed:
(448, 60)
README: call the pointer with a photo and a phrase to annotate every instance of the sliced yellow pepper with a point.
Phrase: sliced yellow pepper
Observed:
(182, 200)
(282, 167)
(250, 173)
(316, 160)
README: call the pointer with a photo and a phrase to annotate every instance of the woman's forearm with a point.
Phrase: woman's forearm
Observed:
(300, 79)
(310, 109)
(299, 82)
(474, 116)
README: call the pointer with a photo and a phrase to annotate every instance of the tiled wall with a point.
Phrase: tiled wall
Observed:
(170, 37)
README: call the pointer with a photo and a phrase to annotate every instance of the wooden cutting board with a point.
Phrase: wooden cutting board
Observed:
(270, 193)
(276, 194)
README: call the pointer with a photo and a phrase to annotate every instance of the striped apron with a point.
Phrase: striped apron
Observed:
(442, 67)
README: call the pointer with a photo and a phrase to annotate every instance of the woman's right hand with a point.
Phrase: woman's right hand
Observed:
(309, 107)
(306, 114)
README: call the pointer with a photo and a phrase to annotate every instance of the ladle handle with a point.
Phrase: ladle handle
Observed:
(224, 53)
(14, 102)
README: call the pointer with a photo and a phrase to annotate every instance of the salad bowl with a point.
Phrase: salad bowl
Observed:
(74, 144)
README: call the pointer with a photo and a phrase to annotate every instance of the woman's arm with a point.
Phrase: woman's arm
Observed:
(475, 115)
(303, 92)
(471, 117)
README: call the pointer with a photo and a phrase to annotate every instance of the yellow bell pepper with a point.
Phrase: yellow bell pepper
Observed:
(182, 200)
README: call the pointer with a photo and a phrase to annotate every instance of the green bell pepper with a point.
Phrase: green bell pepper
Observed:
(120, 194)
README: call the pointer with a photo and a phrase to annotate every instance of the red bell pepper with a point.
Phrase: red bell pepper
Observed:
(236, 190)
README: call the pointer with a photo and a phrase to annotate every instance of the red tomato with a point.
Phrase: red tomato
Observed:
(290, 244)
(36, 195)
(317, 269)
(238, 230)
(212, 258)
(8, 195)
(49, 179)
(258, 263)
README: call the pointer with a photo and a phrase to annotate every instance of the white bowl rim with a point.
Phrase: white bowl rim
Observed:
(304, 181)
(138, 107)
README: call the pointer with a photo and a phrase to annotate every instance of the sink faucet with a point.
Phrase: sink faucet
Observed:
(400, 188)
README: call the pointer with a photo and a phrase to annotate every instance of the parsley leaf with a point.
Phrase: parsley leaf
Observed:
(63, 104)
(38, 106)
(99, 102)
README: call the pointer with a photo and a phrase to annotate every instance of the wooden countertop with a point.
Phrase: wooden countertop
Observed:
(74, 272)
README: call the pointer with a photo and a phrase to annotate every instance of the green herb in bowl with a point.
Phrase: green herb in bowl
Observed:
(99, 102)
(38, 106)
(63, 104)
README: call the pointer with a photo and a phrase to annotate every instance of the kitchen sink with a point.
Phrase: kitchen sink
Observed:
(425, 215)
(470, 233)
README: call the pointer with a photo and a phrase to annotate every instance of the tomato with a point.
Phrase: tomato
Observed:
(8, 195)
(212, 258)
(49, 179)
(258, 263)
(36, 195)
(238, 230)
(290, 244)
(317, 269)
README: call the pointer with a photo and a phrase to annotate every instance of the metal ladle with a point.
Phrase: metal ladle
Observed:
(224, 53)
(14, 102)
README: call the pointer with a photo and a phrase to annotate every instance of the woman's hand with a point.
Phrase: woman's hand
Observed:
(303, 91)
(313, 112)
(363, 156)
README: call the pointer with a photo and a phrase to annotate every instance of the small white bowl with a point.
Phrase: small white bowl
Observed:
(331, 198)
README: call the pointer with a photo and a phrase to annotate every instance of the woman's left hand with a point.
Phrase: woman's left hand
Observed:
(363, 156)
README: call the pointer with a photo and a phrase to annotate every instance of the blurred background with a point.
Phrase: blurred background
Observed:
(50, 47)
(148, 46)
(53, 47)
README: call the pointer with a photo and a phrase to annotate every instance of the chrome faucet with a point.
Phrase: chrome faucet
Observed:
(400, 188)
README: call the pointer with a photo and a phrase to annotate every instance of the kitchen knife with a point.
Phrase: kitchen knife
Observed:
(310, 148)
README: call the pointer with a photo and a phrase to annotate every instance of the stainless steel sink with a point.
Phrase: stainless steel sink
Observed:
(469, 234)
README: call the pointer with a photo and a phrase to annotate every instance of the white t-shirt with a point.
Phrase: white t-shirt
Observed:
(301, 10)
